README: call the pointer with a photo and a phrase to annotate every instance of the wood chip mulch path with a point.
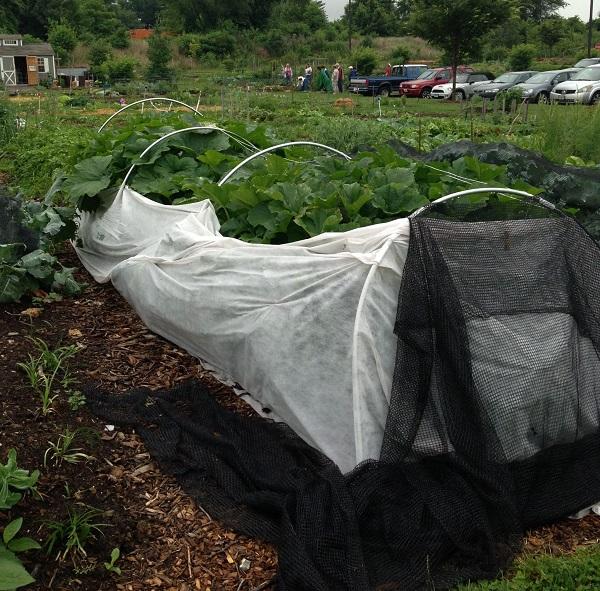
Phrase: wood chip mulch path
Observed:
(167, 542)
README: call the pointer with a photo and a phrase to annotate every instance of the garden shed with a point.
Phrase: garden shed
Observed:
(25, 64)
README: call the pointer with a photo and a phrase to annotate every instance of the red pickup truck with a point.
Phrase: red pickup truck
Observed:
(428, 79)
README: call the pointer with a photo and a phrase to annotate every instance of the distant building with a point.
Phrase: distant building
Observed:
(25, 64)
(74, 77)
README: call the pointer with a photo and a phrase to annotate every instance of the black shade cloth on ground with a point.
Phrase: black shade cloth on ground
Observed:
(493, 423)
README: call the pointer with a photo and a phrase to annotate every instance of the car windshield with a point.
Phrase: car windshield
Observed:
(588, 74)
(462, 78)
(541, 78)
(586, 62)
(507, 79)
(427, 75)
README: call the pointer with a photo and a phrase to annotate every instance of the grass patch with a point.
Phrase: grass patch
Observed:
(568, 130)
(577, 572)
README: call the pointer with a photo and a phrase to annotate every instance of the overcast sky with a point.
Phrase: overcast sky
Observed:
(581, 8)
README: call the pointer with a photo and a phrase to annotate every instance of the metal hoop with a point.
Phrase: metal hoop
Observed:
(272, 149)
(148, 100)
(500, 190)
(176, 132)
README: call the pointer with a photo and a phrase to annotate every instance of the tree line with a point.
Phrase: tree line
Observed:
(104, 18)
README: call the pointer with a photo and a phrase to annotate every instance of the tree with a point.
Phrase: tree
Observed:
(457, 26)
(538, 10)
(551, 31)
(297, 16)
(377, 17)
(63, 40)
(159, 57)
(521, 56)
(9, 15)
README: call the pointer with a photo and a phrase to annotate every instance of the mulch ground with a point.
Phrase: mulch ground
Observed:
(166, 541)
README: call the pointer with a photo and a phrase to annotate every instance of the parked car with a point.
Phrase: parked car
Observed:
(465, 85)
(587, 62)
(583, 87)
(537, 89)
(386, 85)
(490, 89)
(424, 84)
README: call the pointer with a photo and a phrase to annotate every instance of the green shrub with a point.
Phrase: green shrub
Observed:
(120, 69)
(120, 39)
(274, 42)
(221, 43)
(365, 60)
(367, 41)
(98, 53)
(188, 44)
(400, 55)
(521, 56)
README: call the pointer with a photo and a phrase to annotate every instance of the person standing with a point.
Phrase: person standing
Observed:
(287, 74)
(308, 73)
(335, 76)
(340, 78)
(388, 70)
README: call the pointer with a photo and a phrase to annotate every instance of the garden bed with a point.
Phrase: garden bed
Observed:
(166, 541)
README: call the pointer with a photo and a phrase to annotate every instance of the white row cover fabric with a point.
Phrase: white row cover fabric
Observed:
(306, 327)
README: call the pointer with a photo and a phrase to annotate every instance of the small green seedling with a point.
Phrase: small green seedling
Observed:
(76, 400)
(70, 535)
(42, 370)
(110, 566)
(62, 450)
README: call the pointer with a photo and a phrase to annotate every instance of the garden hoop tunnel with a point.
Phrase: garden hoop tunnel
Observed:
(232, 172)
(152, 101)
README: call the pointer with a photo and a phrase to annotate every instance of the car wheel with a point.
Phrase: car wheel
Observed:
(385, 91)
(543, 98)
(459, 95)
(595, 100)
(426, 93)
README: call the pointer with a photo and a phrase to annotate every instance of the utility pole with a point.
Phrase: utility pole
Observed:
(590, 24)
(350, 25)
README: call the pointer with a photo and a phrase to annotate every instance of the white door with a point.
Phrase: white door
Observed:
(9, 75)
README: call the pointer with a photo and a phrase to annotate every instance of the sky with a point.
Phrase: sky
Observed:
(581, 8)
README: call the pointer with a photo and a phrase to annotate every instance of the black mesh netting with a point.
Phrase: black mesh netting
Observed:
(493, 424)
(563, 185)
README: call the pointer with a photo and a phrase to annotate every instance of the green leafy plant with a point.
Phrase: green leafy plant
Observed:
(76, 400)
(69, 537)
(110, 566)
(12, 572)
(14, 481)
(62, 449)
(43, 369)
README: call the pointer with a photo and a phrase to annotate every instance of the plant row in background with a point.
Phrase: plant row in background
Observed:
(283, 197)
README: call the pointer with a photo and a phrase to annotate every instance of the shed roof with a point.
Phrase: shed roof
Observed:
(10, 37)
(75, 72)
(41, 49)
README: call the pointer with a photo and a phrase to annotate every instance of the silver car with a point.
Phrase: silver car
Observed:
(537, 88)
(583, 87)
